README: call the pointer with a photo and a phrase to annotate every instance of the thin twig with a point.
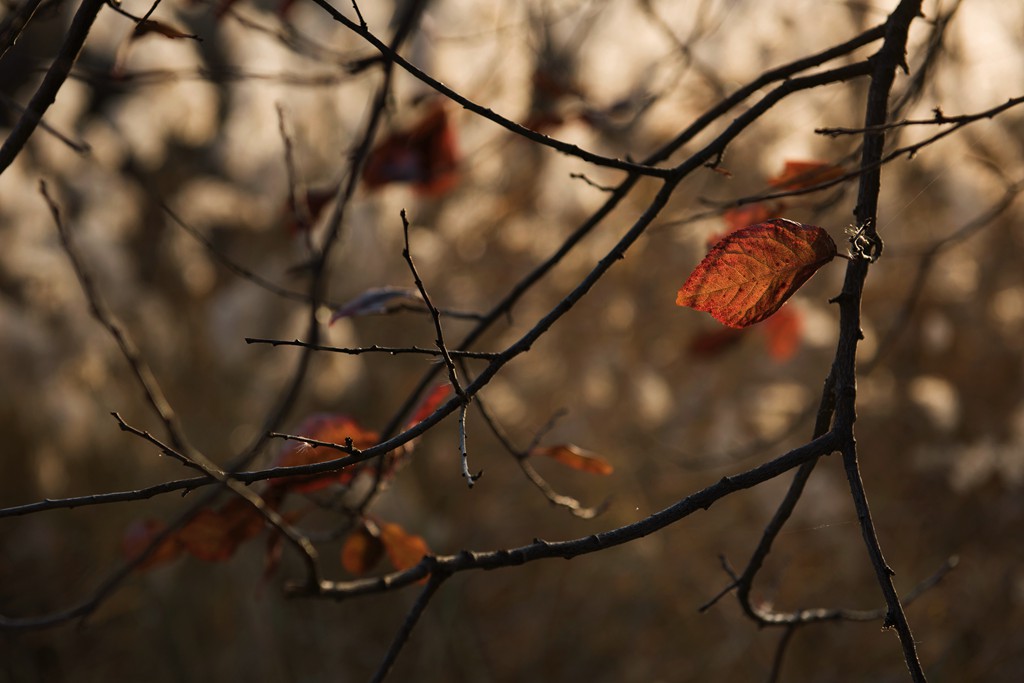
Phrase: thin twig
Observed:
(446, 357)
(14, 23)
(81, 147)
(411, 619)
(359, 350)
(164, 448)
(463, 451)
(344, 448)
(435, 315)
(939, 119)
(298, 199)
(522, 459)
(780, 653)
(140, 369)
(359, 15)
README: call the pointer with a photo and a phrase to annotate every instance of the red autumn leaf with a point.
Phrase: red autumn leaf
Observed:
(214, 535)
(797, 175)
(326, 427)
(316, 201)
(782, 333)
(139, 534)
(750, 273)
(362, 550)
(376, 301)
(425, 155)
(404, 550)
(742, 216)
(429, 404)
(553, 94)
(712, 343)
(574, 457)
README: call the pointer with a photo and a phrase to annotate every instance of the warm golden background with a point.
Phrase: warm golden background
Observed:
(941, 425)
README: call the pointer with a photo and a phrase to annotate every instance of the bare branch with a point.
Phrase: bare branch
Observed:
(539, 550)
(46, 93)
(411, 619)
(939, 119)
(390, 350)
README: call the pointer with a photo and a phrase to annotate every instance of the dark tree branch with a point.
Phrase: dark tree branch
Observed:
(449, 364)
(14, 23)
(744, 583)
(81, 147)
(411, 619)
(539, 550)
(164, 448)
(891, 55)
(939, 119)
(46, 93)
(780, 653)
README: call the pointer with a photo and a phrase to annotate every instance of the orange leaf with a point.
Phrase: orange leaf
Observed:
(430, 403)
(362, 550)
(782, 334)
(750, 273)
(138, 535)
(798, 175)
(316, 201)
(214, 536)
(327, 427)
(404, 550)
(742, 216)
(574, 457)
(424, 155)
(713, 343)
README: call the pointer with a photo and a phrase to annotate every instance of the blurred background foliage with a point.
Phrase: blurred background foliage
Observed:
(194, 124)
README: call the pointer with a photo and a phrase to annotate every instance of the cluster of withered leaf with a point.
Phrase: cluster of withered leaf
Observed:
(215, 534)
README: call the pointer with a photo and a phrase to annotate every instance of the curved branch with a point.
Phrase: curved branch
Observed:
(540, 550)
